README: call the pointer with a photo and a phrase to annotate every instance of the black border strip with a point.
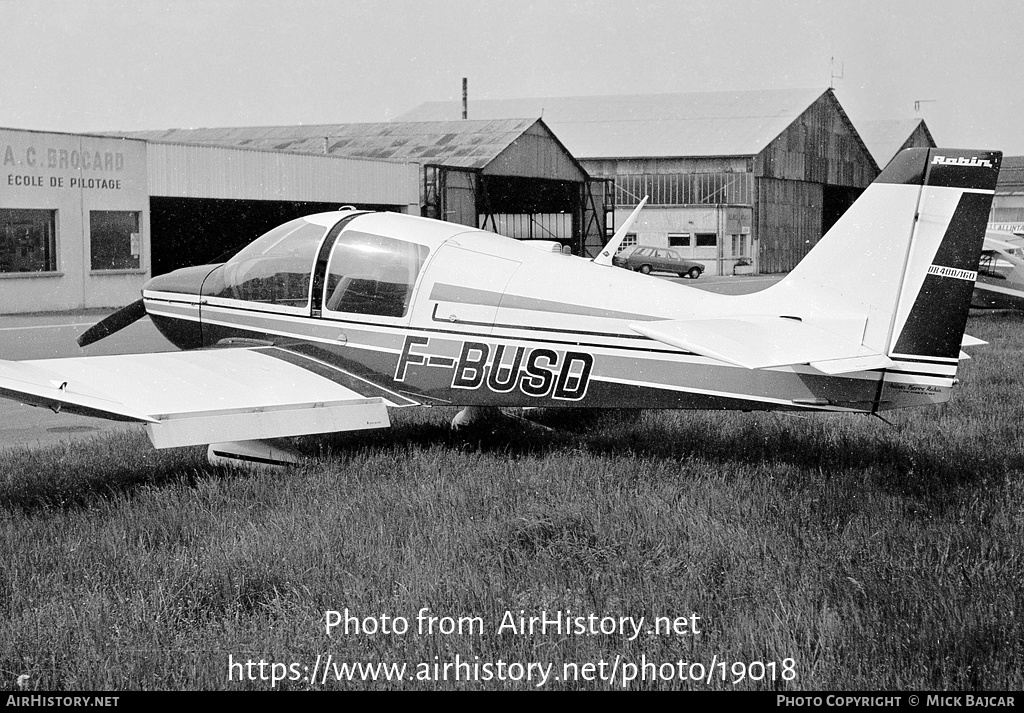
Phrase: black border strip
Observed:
(337, 375)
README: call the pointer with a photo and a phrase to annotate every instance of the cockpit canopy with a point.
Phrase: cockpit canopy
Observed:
(366, 273)
(372, 274)
(276, 268)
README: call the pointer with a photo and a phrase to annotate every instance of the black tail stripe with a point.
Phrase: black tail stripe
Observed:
(936, 323)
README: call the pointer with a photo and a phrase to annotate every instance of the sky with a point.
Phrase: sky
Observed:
(96, 65)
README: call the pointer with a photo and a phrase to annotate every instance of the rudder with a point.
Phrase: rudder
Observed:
(956, 196)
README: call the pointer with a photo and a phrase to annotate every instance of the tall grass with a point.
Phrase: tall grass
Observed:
(874, 556)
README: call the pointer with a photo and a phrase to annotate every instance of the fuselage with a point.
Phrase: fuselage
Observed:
(1000, 283)
(452, 315)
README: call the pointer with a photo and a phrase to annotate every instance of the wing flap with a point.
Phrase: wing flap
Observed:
(287, 420)
(206, 396)
(764, 342)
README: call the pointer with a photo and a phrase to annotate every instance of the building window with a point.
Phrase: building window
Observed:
(28, 240)
(740, 246)
(679, 240)
(685, 188)
(115, 240)
(627, 240)
(706, 240)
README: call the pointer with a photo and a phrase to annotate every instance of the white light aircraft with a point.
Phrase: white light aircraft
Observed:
(1000, 282)
(326, 322)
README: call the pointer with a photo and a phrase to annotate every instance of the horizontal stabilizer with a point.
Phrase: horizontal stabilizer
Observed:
(762, 342)
(846, 366)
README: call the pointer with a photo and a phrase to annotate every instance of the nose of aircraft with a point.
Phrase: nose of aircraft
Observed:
(184, 281)
(187, 281)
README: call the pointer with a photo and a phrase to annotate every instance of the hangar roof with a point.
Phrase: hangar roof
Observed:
(1011, 175)
(729, 123)
(458, 144)
(886, 137)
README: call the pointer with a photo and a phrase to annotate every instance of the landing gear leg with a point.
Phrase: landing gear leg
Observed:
(475, 414)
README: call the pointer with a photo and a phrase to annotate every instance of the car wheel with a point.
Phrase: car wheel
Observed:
(694, 273)
(646, 269)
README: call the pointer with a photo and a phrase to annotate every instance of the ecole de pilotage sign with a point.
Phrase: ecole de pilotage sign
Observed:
(57, 167)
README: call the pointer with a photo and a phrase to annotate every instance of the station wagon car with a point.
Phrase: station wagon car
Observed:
(646, 259)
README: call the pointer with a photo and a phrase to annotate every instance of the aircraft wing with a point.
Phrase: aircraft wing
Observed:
(206, 396)
(763, 342)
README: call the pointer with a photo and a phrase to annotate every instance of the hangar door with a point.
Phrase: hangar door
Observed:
(569, 212)
(197, 231)
(449, 194)
(598, 212)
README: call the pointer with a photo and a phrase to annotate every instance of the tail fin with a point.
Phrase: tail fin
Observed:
(905, 255)
(887, 290)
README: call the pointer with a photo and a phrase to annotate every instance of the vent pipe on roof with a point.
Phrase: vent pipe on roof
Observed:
(465, 98)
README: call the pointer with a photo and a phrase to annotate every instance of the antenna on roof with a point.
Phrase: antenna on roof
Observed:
(919, 102)
(465, 97)
(832, 72)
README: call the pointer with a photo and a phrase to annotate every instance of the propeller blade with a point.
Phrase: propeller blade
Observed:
(115, 322)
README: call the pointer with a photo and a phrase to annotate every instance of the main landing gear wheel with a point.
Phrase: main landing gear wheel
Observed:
(475, 414)
(472, 416)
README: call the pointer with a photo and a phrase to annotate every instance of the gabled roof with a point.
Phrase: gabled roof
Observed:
(1011, 175)
(733, 123)
(887, 137)
(458, 144)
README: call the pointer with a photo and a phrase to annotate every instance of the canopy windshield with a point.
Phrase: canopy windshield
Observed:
(276, 267)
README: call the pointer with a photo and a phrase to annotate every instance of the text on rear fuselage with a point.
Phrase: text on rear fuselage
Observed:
(535, 371)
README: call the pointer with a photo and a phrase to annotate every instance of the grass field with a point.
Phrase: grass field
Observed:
(810, 553)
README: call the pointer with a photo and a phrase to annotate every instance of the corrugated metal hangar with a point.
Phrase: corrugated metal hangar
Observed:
(184, 197)
(511, 175)
(743, 181)
(1008, 203)
(86, 219)
(887, 137)
(733, 177)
